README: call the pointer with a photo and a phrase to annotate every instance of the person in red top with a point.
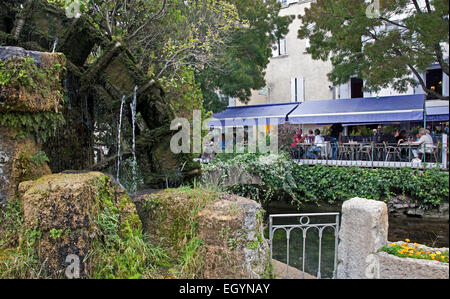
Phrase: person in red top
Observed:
(298, 138)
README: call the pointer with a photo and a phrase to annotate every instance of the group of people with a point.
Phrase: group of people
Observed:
(423, 143)
(318, 142)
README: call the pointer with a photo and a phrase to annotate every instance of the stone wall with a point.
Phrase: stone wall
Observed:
(363, 233)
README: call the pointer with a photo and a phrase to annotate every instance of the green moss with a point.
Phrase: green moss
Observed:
(56, 233)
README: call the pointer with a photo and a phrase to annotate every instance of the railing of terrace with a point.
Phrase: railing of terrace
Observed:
(370, 154)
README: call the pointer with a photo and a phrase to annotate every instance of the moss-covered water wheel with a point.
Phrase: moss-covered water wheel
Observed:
(94, 86)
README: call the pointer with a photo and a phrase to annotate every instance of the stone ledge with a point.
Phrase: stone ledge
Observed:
(394, 267)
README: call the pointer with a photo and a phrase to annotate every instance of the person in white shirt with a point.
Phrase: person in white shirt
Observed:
(319, 142)
(424, 144)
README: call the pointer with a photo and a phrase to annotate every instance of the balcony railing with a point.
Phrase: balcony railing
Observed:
(370, 154)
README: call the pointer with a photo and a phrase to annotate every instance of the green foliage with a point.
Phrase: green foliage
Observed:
(18, 257)
(283, 178)
(39, 158)
(360, 45)
(36, 125)
(122, 251)
(11, 220)
(56, 233)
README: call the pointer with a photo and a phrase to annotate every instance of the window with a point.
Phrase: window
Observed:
(280, 48)
(435, 79)
(356, 88)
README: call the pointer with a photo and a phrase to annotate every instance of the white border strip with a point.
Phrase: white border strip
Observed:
(357, 113)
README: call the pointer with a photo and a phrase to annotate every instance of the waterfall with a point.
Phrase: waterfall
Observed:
(133, 118)
(119, 158)
(54, 45)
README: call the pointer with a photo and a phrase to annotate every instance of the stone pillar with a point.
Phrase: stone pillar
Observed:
(23, 104)
(363, 232)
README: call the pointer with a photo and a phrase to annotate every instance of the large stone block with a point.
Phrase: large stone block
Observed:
(65, 209)
(232, 229)
(363, 232)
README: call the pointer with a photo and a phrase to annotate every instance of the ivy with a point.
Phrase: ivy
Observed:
(282, 178)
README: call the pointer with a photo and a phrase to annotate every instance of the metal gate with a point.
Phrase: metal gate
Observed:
(305, 222)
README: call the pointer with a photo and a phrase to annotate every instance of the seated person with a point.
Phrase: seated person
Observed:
(425, 144)
(318, 143)
(298, 138)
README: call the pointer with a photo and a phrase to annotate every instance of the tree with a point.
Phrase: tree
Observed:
(386, 48)
(246, 53)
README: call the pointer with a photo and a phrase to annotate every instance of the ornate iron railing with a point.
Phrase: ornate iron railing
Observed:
(304, 224)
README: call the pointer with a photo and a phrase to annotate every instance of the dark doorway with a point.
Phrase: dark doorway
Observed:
(356, 86)
(434, 80)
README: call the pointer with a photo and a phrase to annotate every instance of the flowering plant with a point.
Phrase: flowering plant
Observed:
(414, 250)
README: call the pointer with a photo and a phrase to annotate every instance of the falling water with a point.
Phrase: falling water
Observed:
(54, 45)
(133, 118)
(119, 158)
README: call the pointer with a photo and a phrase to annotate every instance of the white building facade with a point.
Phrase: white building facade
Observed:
(293, 76)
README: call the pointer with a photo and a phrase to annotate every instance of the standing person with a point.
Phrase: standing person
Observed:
(335, 138)
(318, 143)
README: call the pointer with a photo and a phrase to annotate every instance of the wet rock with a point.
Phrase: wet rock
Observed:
(18, 52)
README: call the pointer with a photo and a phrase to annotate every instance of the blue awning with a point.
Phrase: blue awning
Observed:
(360, 110)
(252, 115)
(439, 113)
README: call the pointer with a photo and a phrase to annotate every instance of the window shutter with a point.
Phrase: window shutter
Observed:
(275, 50)
(300, 90)
(294, 90)
(418, 89)
(297, 89)
(344, 91)
(282, 44)
(445, 86)
(366, 94)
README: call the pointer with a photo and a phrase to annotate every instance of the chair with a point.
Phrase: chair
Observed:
(434, 153)
(389, 149)
(367, 150)
(344, 150)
